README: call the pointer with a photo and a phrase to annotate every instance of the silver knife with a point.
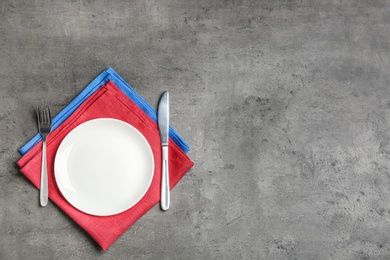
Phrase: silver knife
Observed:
(163, 125)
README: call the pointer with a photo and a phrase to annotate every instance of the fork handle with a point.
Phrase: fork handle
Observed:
(43, 195)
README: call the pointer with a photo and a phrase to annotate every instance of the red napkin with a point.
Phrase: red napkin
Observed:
(107, 102)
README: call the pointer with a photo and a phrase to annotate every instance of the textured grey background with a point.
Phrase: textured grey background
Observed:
(286, 106)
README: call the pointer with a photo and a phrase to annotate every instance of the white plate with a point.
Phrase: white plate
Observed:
(104, 166)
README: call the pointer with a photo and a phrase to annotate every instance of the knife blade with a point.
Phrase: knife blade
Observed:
(163, 125)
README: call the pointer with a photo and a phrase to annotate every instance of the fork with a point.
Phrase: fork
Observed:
(44, 127)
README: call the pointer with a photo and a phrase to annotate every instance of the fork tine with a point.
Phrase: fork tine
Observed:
(49, 114)
(48, 118)
(42, 114)
(38, 114)
(37, 111)
(44, 110)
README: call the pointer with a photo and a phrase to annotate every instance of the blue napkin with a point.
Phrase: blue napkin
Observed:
(108, 74)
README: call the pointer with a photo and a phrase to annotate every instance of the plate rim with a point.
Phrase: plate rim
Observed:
(107, 119)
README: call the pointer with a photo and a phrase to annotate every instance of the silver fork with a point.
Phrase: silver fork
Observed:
(44, 127)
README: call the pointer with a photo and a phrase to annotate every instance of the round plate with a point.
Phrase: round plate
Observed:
(104, 166)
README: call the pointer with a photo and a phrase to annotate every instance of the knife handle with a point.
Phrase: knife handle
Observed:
(164, 201)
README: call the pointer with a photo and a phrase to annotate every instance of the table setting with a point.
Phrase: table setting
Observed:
(106, 158)
(277, 115)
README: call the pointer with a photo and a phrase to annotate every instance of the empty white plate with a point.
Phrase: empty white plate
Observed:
(104, 167)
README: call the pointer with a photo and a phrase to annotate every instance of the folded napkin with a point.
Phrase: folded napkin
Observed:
(106, 101)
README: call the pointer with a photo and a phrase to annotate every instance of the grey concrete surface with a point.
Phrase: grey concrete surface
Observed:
(285, 104)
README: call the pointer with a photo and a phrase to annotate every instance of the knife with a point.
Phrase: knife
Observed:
(163, 125)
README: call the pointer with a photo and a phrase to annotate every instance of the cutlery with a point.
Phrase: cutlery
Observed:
(44, 127)
(163, 125)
